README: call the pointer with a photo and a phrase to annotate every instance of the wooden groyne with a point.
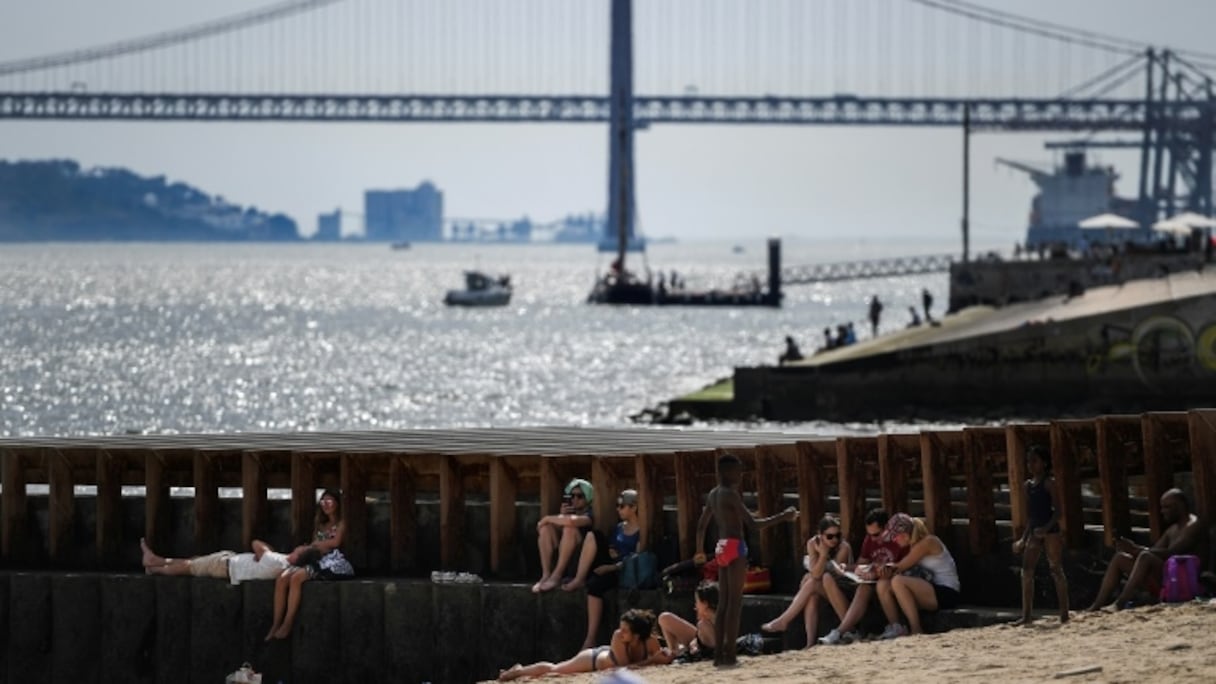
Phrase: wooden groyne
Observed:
(927, 473)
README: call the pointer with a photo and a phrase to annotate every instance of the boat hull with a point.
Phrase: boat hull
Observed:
(496, 297)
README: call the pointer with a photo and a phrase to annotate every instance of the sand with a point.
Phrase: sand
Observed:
(1156, 643)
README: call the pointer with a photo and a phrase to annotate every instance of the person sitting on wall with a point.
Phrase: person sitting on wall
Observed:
(563, 534)
(686, 640)
(601, 560)
(263, 563)
(1143, 565)
(791, 353)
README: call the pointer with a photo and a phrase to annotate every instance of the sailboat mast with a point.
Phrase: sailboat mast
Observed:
(620, 136)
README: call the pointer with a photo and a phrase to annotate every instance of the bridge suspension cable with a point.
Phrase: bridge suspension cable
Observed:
(216, 27)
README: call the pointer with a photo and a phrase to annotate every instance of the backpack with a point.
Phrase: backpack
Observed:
(640, 571)
(1180, 579)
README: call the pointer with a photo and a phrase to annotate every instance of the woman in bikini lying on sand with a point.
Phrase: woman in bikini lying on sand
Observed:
(633, 645)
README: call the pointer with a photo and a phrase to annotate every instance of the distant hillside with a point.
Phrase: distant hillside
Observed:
(57, 200)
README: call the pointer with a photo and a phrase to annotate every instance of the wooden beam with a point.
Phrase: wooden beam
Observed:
(1203, 462)
(811, 493)
(206, 503)
(650, 500)
(892, 474)
(1113, 456)
(550, 486)
(13, 505)
(403, 516)
(1162, 434)
(156, 501)
(604, 483)
(1018, 438)
(109, 507)
(451, 513)
(354, 506)
(303, 497)
(688, 504)
(851, 477)
(1064, 458)
(503, 486)
(768, 498)
(981, 508)
(254, 506)
(61, 505)
(936, 476)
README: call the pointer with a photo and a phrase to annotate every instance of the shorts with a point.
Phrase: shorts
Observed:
(729, 550)
(947, 598)
(211, 565)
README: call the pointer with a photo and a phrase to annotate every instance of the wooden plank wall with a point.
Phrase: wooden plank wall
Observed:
(853, 473)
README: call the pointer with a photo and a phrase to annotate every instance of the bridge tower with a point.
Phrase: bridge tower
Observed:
(622, 207)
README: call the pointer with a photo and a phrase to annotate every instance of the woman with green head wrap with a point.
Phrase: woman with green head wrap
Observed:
(563, 533)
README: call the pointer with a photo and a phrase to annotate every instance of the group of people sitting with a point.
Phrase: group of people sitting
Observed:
(321, 559)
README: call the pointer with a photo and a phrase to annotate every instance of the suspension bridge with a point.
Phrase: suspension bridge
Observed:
(905, 63)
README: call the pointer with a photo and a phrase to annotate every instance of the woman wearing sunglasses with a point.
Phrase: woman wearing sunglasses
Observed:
(826, 553)
(563, 533)
(599, 563)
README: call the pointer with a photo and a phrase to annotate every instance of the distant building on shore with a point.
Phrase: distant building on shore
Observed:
(404, 215)
(329, 227)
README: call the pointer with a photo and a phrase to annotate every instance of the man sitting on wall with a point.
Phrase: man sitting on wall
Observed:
(1143, 564)
(263, 563)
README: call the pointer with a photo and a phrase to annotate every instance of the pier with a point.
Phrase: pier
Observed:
(468, 500)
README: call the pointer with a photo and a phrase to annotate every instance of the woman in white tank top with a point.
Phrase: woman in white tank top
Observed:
(932, 583)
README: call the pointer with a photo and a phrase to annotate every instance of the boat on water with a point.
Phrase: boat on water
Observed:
(481, 290)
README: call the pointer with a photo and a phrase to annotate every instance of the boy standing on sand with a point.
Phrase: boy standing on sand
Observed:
(725, 505)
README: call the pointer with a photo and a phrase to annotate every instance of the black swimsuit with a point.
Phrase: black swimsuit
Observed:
(1038, 505)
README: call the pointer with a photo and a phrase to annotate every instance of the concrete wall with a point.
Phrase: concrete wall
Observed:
(1004, 282)
(1154, 357)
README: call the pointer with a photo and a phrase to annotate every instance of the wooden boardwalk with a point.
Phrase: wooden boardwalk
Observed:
(669, 467)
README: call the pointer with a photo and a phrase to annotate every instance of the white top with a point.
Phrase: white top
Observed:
(242, 566)
(945, 573)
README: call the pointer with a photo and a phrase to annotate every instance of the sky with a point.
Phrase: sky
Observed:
(702, 182)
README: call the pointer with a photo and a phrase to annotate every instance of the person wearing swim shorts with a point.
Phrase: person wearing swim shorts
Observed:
(724, 506)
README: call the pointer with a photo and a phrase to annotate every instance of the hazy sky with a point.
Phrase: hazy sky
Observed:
(695, 182)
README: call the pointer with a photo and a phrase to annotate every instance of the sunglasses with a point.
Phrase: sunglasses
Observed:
(623, 505)
(831, 537)
(576, 495)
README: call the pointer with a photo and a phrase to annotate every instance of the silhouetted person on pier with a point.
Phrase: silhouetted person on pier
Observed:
(850, 335)
(875, 315)
(828, 342)
(926, 298)
(915, 317)
(791, 353)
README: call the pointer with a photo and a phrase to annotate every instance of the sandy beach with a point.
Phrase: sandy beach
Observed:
(1155, 643)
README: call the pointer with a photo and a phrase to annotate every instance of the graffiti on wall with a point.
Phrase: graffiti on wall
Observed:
(1158, 349)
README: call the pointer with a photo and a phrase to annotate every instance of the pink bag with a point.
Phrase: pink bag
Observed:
(1180, 579)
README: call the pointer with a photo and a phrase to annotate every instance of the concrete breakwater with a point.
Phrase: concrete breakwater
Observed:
(1142, 345)
(467, 500)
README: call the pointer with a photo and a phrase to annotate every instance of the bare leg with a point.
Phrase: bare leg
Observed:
(677, 631)
(582, 662)
(1030, 558)
(585, 559)
(546, 542)
(150, 559)
(857, 609)
(595, 612)
(782, 621)
(913, 594)
(1120, 565)
(1147, 567)
(835, 595)
(730, 609)
(281, 584)
(810, 617)
(888, 600)
(565, 551)
(293, 603)
(1055, 552)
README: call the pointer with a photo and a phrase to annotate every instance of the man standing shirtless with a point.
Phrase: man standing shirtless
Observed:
(733, 519)
(1143, 564)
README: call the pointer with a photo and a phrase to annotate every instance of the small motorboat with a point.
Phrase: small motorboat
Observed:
(481, 290)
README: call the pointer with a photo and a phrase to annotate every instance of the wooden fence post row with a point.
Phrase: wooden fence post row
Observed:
(1100, 457)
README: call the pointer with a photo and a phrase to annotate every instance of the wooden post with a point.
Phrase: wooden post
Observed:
(688, 505)
(892, 474)
(851, 476)
(768, 498)
(811, 493)
(1068, 481)
(936, 476)
(604, 482)
(61, 504)
(1018, 438)
(650, 500)
(550, 487)
(109, 507)
(1112, 474)
(981, 509)
(451, 512)
(503, 488)
(354, 506)
(254, 508)
(156, 500)
(1203, 462)
(303, 497)
(1163, 433)
(403, 522)
(206, 503)
(13, 506)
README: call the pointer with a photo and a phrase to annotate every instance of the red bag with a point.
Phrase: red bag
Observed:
(758, 581)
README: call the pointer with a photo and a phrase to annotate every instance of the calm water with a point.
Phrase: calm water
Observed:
(105, 338)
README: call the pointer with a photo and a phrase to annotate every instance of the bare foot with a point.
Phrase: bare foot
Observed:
(573, 585)
(547, 584)
(270, 635)
(283, 632)
(149, 559)
(512, 673)
(536, 588)
(772, 627)
(1023, 621)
